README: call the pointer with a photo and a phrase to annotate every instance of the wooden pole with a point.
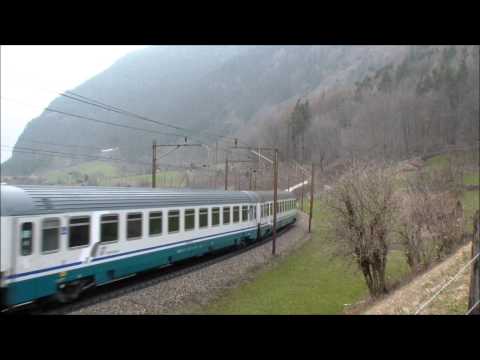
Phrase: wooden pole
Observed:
(154, 163)
(474, 296)
(303, 189)
(288, 178)
(216, 162)
(275, 185)
(311, 201)
(226, 173)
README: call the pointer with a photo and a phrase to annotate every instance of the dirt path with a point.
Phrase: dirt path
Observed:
(453, 300)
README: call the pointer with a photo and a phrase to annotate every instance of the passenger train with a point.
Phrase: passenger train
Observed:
(58, 241)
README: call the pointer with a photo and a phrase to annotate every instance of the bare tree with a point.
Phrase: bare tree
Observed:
(363, 208)
(431, 217)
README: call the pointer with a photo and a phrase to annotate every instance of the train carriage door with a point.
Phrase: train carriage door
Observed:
(25, 244)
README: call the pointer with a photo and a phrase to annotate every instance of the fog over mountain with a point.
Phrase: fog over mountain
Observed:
(219, 89)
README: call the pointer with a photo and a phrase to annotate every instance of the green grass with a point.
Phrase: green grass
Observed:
(471, 203)
(471, 178)
(311, 280)
(437, 161)
(466, 157)
(470, 199)
(91, 168)
(108, 174)
(308, 281)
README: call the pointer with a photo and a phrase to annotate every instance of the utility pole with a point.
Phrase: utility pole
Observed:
(216, 162)
(311, 201)
(303, 190)
(288, 179)
(226, 172)
(275, 185)
(154, 163)
(154, 156)
(474, 296)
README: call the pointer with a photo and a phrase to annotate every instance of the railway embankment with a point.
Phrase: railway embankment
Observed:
(181, 294)
(423, 290)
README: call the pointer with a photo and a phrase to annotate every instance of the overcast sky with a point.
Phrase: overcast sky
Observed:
(29, 73)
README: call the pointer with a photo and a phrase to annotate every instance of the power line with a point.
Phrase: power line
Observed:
(89, 101)
(93, 157)
(99, 121)
(65, 145)
(93, 102)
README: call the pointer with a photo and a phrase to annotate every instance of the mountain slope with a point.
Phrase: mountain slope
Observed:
(204, 88)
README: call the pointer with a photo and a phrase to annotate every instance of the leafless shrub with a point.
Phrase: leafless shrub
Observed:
(431, 217)
(363, 208)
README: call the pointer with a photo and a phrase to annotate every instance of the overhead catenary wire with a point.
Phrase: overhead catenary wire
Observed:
(98, 121)
(62, 145)
(77, 97)
(88, 118)
(93, 102)
(93, 157)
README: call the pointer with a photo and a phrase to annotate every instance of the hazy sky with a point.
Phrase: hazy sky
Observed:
(29, 73)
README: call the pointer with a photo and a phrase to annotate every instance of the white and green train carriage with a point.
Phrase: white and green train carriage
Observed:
(58, 241)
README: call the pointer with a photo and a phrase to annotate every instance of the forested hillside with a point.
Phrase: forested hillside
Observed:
(417, 103)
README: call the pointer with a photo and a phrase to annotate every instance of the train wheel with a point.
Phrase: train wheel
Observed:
(71, 291)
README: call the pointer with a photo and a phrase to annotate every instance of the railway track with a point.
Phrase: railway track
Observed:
(123, 286)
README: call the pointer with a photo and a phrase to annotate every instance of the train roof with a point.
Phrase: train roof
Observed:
(45, 199)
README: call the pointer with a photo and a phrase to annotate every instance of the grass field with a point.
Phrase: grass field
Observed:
(311, 280)
(308, 281)
(108, 174)
(91, 168)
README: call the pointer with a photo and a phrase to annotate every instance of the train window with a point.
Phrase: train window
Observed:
(215, 216)
(252, 213)
(226, 215)
(270, 210)
(244, 213)
(26, 245)
(79, 232)
(109, 228)
(236, 214)
(189, 219)
(173, 221)
(134, 226)
(155, 223)
(50, 234)
(203, 218)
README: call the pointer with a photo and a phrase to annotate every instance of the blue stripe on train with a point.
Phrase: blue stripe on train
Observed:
(14, 276)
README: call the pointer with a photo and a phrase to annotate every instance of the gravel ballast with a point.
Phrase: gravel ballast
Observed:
(177, 295)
